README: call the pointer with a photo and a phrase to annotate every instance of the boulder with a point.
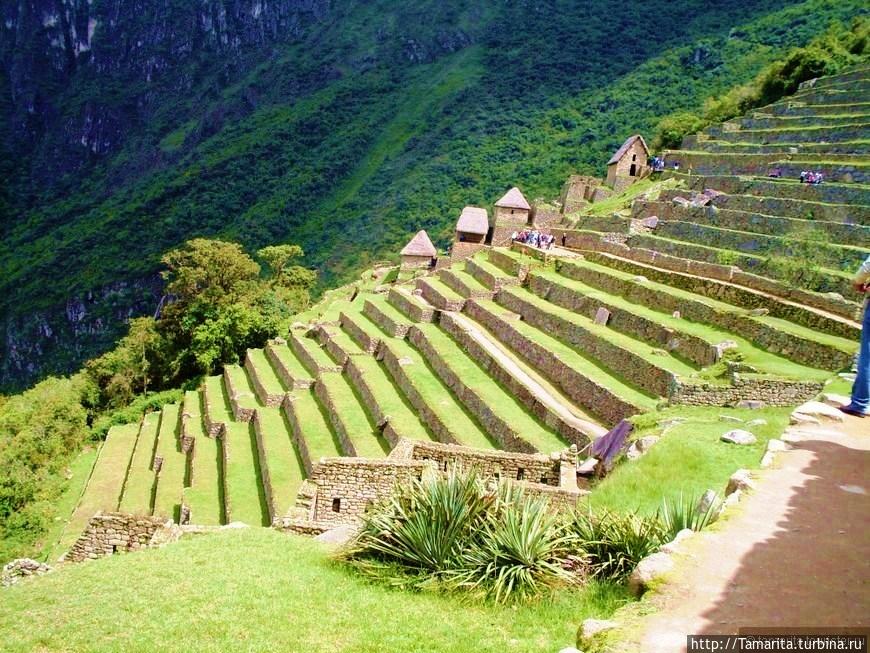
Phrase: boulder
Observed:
(775, 445)
(759, 312)
(602, 315)
(707, 501)
(739, 481)
(835, 400)
(757, 422)
(338, 536)
(799, 419)
(648, 571)
(592, 627)
(641, 446)
(738, 436)
(674, 545)
(822, 412)
(650, 222)
(639, 279)
(20, 568)
(724, 346)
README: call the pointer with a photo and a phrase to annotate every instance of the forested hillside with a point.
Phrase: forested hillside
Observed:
(128, 128)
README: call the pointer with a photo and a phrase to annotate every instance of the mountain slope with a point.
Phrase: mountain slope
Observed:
(342, 127)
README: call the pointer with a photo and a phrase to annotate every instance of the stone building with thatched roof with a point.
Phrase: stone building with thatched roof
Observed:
(628, 163)
(511, 214)
(419, 253)
(472, 229)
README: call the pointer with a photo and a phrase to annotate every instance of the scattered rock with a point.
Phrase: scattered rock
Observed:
(731, 499)
(754, 404)
(650, 222)
(405, 360)
(338, 536)
(682, 201)
(835, 296)
(757, 422)
(820, 411)
(674, 545)
(641, 446)
(739, 481)
(235, 525)
(775, 445)
(299, 325)
(738, 436)
(587, 467)
(712, 194)
(724, 346)
(592, 627)
(673, 421)
(707, 501)
(799, 419)
(676, 314)
(648, 570)
(700, 200)
(847, 376)
(20, 568)
(639, 279)
(759, 311)
(280, 341)
(659, 352)
(766, 460)
(835, 400)
(602, 315)
(730, 418)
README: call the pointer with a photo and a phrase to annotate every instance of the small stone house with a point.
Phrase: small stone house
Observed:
(472, 229)
(628, 163)
(419, 253)
(511, 214)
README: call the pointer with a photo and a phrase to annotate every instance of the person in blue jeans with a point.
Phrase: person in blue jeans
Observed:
(860, 404)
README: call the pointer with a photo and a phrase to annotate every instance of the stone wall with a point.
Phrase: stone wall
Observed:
(506, 379)
(410, 306)
(690, 347)
(366, 342)
(297, 435)
(270, 399)
(300, 346)
(506, 222)
(416, 262)
(237, 397)
(395, 366)
(487, 278)
(597, 399)
(356, 374)
(773, 392)
(107, 533)
(509, 264)
(508, 437)
(624, 363)
(265, 475)
(321, 391)
(545, 217)
(462, 250)
(578, 191)
(619, 173)
(435, 297)
(458, 285)
(803, 351)
(284, 373)
(390, 326)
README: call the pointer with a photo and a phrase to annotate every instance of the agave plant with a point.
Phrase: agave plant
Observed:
(615, 543)
(687, 512)
(521, 551)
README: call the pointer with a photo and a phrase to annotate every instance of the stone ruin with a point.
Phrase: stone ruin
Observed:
(21, 568)
(111, 532)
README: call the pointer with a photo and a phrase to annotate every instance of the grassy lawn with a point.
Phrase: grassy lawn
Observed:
(467, 280)
(265, 372)
(314, 351)
(139, 487)
(438, 397)
(170, 481)
(358, 425)
(394, 314)
(762, 360)
(247, 498)
(80, 472)
(689, 458)
(259, 590)
(285, 467)
(314, 426)
(205, 495)
(500, 402)
(583, 364)
(240, 386)
(290, 362)
(443, 289)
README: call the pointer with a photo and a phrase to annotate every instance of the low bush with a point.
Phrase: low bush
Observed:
(687, 511)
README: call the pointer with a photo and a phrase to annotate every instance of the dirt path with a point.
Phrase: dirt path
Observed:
(795, 552)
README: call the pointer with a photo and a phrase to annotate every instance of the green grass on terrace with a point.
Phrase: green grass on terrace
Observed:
(638, 347)
(364, 324)
(170, 480)
(689, 458)
(443, 289)
(623, 200)
(360, 430)
(467, 279)
(260, 590)
(103, 491)
(343, 340)
(241, 385)
(497, 399)
(407, 293)
(265, 372)
(576, 360)
(310, 345)
(246, 498)
(205, 496)
(138, 495)
(314, 424)
(285, 467)
(290, 361)
(483, 262)
(385, 307)
(438, 397)
(817, 336)
(80, 472)
(389, 398)
(762, 360)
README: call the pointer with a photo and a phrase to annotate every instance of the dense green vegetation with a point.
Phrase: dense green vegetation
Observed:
(827, 54)
(383, 119)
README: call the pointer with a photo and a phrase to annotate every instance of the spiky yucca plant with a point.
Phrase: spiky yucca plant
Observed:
(686, 512)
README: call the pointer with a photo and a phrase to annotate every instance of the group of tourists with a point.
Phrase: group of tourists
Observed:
(534, 238)
(657, 163)
(808, 177)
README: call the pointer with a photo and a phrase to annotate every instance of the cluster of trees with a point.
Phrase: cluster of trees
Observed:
(827, 54)
(220, 301)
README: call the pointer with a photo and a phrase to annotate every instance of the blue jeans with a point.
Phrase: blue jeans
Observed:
(861, 389)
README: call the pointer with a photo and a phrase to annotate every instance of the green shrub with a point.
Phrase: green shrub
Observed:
(614, 544)
(671, 129)
(685, 512)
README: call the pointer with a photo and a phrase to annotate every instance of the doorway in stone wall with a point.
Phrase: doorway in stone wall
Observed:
(632, 171)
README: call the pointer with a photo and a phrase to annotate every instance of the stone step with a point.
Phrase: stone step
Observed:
(439, 294)
(712, 163)
(410, 305)
(760, 121)
(855, 93)
(203, 499)
(310, 428)
(795, 137)
(280, 469)
(501, 415)
(354, 427)
(847, 148)
(170, 463)
(670, 291)
(391, 321)
(267, 384)
(541, 398)
(461, 282)
(595, 390)
(288, 366)
(361, 330)
(312, 355)
(798, 108)
(860, 73)
(834, 193)
(243, 399)
(488, 274)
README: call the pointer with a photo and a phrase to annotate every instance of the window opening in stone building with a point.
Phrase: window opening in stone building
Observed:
(336, 505)
(521, 473)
